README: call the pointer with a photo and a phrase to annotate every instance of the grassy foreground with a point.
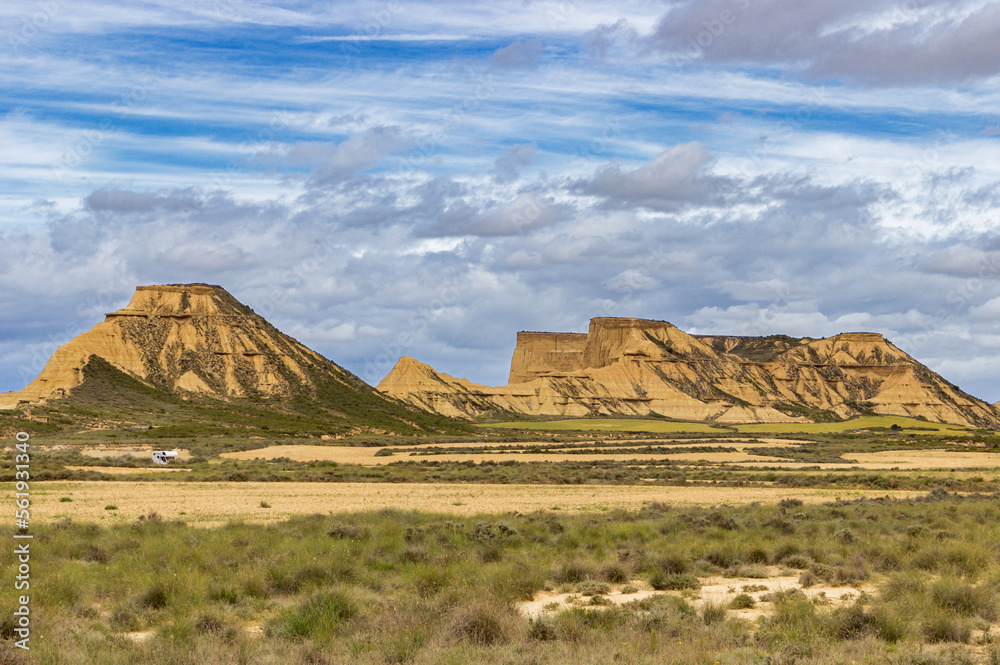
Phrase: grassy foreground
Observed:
(396, 587)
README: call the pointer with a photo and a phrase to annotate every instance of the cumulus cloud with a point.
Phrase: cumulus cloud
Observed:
(525, 213)
(115, 200)
(332, 163)
(876, 41)
(204, 258)
(518, 55)
(514, 158)
(608, 38)
(674, 179)
(963, 260)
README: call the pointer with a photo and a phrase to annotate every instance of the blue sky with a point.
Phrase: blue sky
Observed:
(427, 178)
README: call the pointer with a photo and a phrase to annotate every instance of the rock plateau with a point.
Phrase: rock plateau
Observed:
(639, 367)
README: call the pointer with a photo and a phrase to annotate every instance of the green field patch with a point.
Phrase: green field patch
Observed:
(613, 425)
(911, 425)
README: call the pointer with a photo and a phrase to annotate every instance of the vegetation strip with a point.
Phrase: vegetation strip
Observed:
(392, 586)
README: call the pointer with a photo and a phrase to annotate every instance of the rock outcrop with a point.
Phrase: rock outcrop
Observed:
(625, 366)
(197, 340)
(192, 338)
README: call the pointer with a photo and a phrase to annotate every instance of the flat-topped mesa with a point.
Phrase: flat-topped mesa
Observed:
(610, 339)
(860, 337)
(540, 353)
(181, 300)
(631, 366)
(193, 338)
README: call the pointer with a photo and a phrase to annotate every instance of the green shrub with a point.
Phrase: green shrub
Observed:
(943, 627)
(962, 598)
(318, 617)
(742, 602)
(713, 613)
(663, 582)
(155, 597)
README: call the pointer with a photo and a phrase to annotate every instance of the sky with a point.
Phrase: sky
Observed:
(381, 179)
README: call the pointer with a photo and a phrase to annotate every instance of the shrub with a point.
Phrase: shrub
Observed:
(542, 629)
(721, 558)
(753, 571)
(845, 536)
(943, 627)
(673, 564)
(799, 561)
(614, 573)
(155, 597)
(713, 613)
(591, 588)
(483, 622)
(963, 598)
(663, 582)
(572, 572)
(794, 620)
(852, 622)
(317, 617)
(742, 602)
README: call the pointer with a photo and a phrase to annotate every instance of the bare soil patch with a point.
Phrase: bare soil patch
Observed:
(366, 456)
(124, 470)
(716, 590)
(924, 459)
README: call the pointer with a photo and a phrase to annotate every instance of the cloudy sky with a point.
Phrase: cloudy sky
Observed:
(427, 178)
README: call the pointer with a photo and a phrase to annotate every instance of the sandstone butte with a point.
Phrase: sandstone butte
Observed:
(190, 339)
(639, 367)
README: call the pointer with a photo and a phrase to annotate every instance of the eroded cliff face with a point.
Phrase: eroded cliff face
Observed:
(626, 366)
(190, 338)
(538, 353)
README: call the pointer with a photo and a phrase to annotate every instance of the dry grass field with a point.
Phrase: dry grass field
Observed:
(206, 504)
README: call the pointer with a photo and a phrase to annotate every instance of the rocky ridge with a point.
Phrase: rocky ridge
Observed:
(640, 367)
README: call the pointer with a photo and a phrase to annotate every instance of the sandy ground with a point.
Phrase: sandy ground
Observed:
(124, 451)
(124, 471)
(717, 590)
(366, 456)
(902, 459)
(925, 459)
(212, 504)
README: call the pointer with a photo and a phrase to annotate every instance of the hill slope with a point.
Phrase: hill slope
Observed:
(626, 366)
(196, 345)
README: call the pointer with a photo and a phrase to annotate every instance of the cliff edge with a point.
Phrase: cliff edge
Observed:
(640, 367)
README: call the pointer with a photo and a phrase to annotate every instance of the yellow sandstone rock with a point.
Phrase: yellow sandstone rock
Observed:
(189, 338)
(627, 366)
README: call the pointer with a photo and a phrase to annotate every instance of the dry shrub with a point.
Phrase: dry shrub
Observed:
(485, 622)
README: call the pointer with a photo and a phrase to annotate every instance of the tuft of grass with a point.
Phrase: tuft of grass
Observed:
(713, 613)
(742, 602)
(665, 582)
(940, 626)
(484, 622)
(318, 617)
